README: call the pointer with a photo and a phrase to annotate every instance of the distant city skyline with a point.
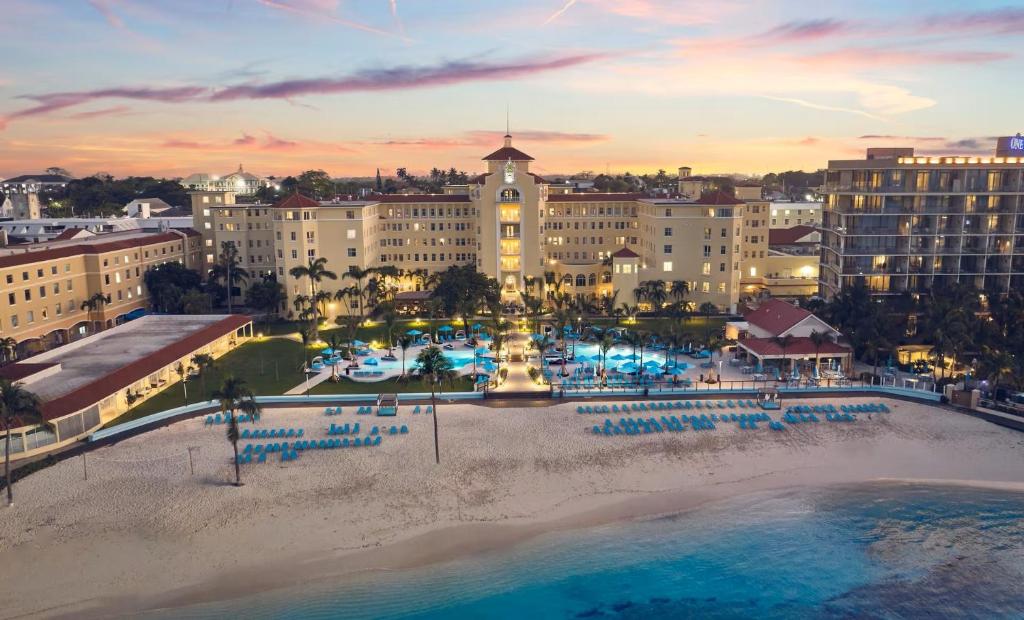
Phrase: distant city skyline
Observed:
(166, 88)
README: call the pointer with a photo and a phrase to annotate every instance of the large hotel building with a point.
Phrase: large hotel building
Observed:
(901, 222)
(514, 226)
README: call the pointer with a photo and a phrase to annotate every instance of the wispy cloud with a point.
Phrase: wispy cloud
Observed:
(52, 102)
(805, 30)
(247, 142)
(481, 138)
(118, 110)
(1001, 21)
(820, 106)
(865, 57)
(403, 77)
(323, 10)
(561, 11)
(103, 8)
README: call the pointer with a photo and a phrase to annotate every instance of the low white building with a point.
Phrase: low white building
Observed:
(240, 182)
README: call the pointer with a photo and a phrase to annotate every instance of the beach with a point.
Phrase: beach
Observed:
(145, 532)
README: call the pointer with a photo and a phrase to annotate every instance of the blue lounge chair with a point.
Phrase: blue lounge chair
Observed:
(403, 430)
(357, 442)
(393, 430)
(430, 409)
(262, 458)
(376, 441)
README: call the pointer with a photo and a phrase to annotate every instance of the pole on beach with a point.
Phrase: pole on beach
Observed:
(85, 467)
(191, 466)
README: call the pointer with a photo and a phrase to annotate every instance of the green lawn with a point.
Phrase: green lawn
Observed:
(388, 386)
(696, 324)
(269, 367)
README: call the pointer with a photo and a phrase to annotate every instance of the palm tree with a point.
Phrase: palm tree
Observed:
(874, 347)
(783, 342)
(998, 365)
(306, 334)
(228, 268)
(606, 343)
(404, 342)
(434, 367)
(359, 293)
(655, 293)
(679, 289)
(390, 318)
(707, 309)
(9, 346)
(317, 272)
(202, 362)
(18, 407)
(818, 339)
(182, 373)
(234, 397)
(94, 303)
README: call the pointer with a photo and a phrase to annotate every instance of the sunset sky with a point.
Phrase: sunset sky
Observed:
(171, 87)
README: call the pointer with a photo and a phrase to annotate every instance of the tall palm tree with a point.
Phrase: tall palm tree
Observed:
(202, 362)
(656, 293)
(404, 342)
(679, 289)
(358, 293)
(874, 347)
(998, 365)
(317, 272)
(604, 345)
(435, 367)
(707, 309)
(9, 346)
(818, 339)
(229, 269)
(306, 335)
(18, 407)
(182, 372)
(783, 342)
(235, 397)
(94, 303)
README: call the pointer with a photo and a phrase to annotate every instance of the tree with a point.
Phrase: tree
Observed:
(93, 304)
(315, 183)
(434, 368)
(18, 407)
(404, 342)
(9, 346)
(306, 335)
(228, 269)
(605, 345)
(783, 342)
(317, 272)
(459, 283)
(267, 296)
(182, 373)
(167, 283)
(818, 339)
(196, 302)
(202, 362)
(235, 397)
(707, 309)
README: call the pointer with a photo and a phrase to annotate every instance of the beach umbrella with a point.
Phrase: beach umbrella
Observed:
(482, 351)
(629, 367)
(675, 372)
(477, 326)
(414, 332)
(490, 366)
(537, 336)
(618, 357)
(445, 328)
(327, 351)
(358, 343)
(652, 364)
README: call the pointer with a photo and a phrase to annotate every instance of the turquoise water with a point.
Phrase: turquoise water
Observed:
(876, 551)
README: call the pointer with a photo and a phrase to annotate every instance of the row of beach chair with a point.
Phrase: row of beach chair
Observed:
(665, 405)
(429, 409)
(865, 408)
(840, 417)
(213, 420)
(270, 433)
(368, 373)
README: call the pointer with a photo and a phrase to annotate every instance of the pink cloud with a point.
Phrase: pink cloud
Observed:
(860, 57)
(53, 102)
(808, 30)
(245, 140)
(1007, 20)
(108, 14)
(487, 138)
(399, 78)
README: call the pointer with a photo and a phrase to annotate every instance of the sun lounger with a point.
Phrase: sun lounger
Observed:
(403, 430)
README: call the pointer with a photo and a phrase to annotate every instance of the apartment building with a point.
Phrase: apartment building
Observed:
(902, 222)
(45, 284)
(511, 225)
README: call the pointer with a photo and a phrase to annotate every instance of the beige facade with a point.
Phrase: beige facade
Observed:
(45, 284)
(510, 225)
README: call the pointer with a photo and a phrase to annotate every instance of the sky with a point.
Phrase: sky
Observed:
(173, 87)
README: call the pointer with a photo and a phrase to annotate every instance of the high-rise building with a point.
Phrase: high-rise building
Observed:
(510, 225)
(902, 222)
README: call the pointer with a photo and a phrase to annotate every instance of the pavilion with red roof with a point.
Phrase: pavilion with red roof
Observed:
(778, 333)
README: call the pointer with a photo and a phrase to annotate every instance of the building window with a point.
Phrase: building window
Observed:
(351, 252)
(350, 233)
(667, 249)
(668, 231)
(666, 266)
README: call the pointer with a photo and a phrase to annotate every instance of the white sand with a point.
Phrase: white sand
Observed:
(143, 532)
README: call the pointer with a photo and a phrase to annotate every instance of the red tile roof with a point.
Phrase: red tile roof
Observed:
(137, 369)
(35, 256)
(776, 316)
(798, 346)
(588, 197)
(296, 201)
(537, 179)
(718, 198)
(508, 152)
(21, 370)
(625, 253)
(390, 198)
(789, 236)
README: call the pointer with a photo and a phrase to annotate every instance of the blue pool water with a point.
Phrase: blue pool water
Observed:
(874, 551)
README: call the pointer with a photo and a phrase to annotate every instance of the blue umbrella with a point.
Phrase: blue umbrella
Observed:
(476, 326)
(652, 364)
(675, 372)
(358, 343)
(327, 351)
(629, 367)
(482, 351)
(445, 328)
(490, 366)
(618, 357)
(414, 332)
(537, 336)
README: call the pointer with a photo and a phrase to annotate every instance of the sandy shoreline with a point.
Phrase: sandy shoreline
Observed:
(143, 533)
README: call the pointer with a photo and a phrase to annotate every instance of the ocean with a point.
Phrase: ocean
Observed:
(865, 551)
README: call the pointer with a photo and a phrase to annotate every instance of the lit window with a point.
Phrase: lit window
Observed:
(667, 266)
